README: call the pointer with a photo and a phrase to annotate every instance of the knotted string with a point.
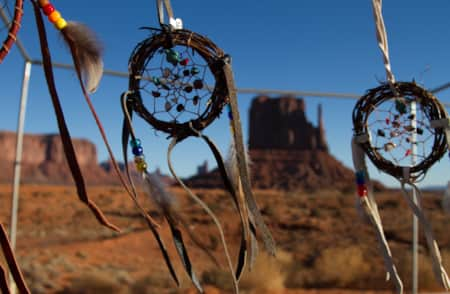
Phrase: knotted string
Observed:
(383, 41)
(174, 23)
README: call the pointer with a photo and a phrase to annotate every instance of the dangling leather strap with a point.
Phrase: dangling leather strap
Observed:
(12, 264)
(242, 164)
(69, 150)
(205, 207)
(248, 229)
(3, 281)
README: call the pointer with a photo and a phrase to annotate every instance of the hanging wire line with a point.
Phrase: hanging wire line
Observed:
(297, 93)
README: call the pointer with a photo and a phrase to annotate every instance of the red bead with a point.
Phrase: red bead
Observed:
(184, 62)
(48, 9)
(408, 153)
(362, 190)
(388, 121)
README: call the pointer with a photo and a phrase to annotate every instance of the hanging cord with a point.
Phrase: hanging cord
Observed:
(383, 41)
(174, 23)
(69, 150)
(241, 160)
(438, 268)
(205, 207)
(248, 229)
(128, 131)
(369, 207)
(232, 169)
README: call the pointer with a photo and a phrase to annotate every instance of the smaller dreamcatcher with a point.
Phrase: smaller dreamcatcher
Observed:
(179, 83)
(404, 130)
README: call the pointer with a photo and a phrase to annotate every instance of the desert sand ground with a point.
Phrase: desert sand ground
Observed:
(323, 246)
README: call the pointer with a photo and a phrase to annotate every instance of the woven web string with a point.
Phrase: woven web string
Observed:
(175, 85)
(393, 128)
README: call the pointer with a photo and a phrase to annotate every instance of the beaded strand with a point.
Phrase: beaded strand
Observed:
(138, 152)
(54, 16)
(361, 186)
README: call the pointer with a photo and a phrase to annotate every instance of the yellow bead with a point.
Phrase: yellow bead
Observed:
(54, 16)
(60, 23)
(141, 166)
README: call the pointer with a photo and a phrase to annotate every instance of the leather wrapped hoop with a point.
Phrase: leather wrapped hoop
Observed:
(398, 113)
(158, 44)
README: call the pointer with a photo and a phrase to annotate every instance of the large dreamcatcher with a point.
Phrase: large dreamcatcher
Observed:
(179, 83)
(86, 55)
(404, 130)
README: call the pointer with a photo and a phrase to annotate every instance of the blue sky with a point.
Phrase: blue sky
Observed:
(321, 45)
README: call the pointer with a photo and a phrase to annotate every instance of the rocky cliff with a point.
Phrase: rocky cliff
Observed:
(282, 124)
(286, 150)
(43, 160)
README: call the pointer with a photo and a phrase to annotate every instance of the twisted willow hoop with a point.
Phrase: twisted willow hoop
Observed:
(170, 74)
(11, 29)
(387, 125)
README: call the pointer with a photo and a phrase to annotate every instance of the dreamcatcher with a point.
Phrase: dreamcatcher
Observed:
(179, 83)
(86, 54)
(404, 130)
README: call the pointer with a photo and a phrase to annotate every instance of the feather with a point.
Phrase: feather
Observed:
(166, 202)
(86, 51)
(231, 165)
(157, 191)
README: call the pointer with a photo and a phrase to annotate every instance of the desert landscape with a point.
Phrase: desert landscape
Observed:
(306, 196)
(322, 244)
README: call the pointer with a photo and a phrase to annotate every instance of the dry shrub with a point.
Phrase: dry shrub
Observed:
(446, 260)
(427, 279)
(95, 283)
(152, 284)
(268, 273)
(218, 278)
(341, 267)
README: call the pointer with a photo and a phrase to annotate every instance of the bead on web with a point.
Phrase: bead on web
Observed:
(138, 152)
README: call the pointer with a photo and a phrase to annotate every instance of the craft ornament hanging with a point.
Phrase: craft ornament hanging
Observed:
(180, 81)
(86, 54)
(404, 130)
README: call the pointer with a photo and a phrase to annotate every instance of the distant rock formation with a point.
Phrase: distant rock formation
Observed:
(43, 160)
(282, 124)
(286, 150)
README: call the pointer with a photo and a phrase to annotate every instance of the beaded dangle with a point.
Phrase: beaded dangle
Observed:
(403, 129)
(180, 82)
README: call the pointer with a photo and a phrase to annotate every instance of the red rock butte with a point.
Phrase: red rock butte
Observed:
(286, 150)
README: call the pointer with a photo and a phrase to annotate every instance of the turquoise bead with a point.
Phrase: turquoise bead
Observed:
(172, 56)
(135, 143)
